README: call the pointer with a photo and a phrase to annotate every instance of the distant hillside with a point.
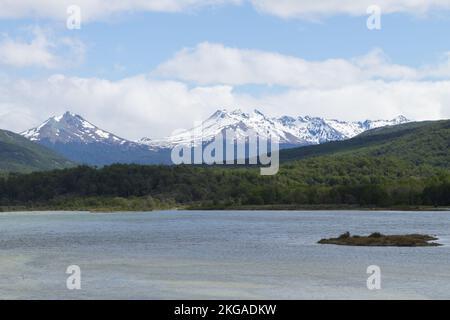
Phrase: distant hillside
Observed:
(406, 165)
(419, 143)
(18, 154)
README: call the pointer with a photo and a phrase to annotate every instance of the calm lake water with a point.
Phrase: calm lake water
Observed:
(218, 255)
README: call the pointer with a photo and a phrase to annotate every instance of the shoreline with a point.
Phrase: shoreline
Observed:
(240, 208)
(318, 208)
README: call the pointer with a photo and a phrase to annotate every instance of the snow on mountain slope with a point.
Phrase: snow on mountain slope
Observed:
(369, 124)
(71, 128)
(289, 130)
(237, 121)
(292, 131)
(82, 142)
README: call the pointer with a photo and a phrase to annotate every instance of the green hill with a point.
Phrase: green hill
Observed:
(18, 154)
(419, 143)
(402, 166)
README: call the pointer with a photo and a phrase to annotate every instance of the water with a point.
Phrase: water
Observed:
(218, 255)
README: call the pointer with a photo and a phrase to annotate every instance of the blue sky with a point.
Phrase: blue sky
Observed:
(131, 65)
(145, 40)
(139, 42)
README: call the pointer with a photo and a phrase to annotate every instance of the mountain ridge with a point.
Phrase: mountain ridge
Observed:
(292, 131)
(401, 141)
(79, 140)
(399, 167)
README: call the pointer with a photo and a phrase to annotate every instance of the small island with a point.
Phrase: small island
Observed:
(380, 240)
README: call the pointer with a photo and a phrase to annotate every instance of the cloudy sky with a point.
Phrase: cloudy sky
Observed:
(148, 67)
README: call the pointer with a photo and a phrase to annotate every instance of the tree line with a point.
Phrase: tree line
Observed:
(332, 180)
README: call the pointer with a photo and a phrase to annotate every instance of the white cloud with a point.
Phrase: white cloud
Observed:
(417, 100)
(204, 79)
(313, 8)
(100, 9)
(210, 63)
(376, 64)
(440, 70)
(138, 106)
(213, 63)
(132, 107)
(41, 51)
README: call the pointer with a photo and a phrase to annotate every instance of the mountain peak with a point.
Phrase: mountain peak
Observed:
(65, 116)
(259, 113)
(220, 113)
(290, 130)
(237, 112)
(69, 114)
(70, 128)
(401, 119)
(372, 124)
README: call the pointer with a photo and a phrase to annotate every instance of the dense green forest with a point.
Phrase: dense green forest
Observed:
(399, 166)
(353, 181)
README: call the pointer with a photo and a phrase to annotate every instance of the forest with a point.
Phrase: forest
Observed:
(357, 181)
(401, 166)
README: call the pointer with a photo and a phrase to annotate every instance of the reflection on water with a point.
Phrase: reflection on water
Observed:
(224, 255)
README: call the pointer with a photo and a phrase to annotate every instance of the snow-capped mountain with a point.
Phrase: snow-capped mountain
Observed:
(368, 124)
(81, 141)
(291, 131)
(71, 128)
(239, 122)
